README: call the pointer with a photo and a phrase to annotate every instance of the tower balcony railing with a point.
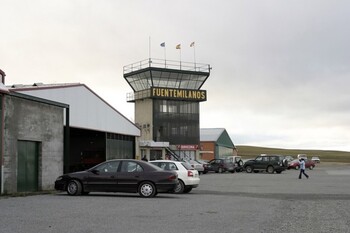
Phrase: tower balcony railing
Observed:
(167, 64)
(132, 96)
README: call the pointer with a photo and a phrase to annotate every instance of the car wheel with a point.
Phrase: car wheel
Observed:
(147, 189)
(220, 170)
(179, 187)
(187, 190)
(270, 169)
(74, 188)
(296, 167)
(311, 167)
(248, 169)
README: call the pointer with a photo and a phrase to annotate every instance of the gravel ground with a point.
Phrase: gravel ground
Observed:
(227, 202)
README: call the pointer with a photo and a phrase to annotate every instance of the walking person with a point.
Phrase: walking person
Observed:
(302, 168)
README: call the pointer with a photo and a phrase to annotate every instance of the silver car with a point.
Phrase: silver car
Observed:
(197, 165)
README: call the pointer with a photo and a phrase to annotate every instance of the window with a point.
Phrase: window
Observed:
(108, 167)
(172, 108)
(187, 166)
(163, 166)
(176, 122)
(172, 166)
(163, 108)
(130, 166)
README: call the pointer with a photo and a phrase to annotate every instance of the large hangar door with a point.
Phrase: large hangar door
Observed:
(27, 166)
(87, 149)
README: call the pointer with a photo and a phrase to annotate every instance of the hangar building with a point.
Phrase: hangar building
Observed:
(97, 131)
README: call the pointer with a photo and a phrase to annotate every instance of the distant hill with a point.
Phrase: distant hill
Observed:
(325, 155)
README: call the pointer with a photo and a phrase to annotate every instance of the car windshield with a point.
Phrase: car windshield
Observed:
(187, 166)
(155, 166)
(202, 161)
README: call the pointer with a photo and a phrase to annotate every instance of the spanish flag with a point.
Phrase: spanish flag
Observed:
(178, 46)
(192, 44)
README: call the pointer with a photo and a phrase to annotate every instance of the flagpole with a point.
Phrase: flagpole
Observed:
(163, 45)
(149, 50)
(180, 58)
(179, 47)
(165, 55)
(194, 54)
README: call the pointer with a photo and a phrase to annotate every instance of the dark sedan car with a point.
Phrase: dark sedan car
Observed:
(221, 165)
(268, 163)
(121, 175)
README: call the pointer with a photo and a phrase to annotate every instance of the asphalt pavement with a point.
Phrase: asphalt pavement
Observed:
(238, 202)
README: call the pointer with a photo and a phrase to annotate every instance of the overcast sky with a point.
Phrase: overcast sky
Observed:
(280, 69)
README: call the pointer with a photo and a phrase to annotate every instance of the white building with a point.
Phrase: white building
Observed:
(96, 132)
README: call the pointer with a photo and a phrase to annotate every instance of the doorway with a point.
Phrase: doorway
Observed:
(27, 166)
(155, 154)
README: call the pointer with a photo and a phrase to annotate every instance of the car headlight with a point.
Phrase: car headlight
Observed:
(59, 178)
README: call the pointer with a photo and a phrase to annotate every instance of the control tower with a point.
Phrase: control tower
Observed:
(167, 96)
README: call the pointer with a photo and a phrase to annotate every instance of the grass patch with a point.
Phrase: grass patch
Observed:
(325, 155)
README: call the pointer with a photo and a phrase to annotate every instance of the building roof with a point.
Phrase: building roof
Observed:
(217, 135)
(210, 134)
(87, 109)
(3, 88)
(149, 73)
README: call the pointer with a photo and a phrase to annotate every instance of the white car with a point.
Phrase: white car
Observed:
(316, 159)
(302, 156)
(188, 177)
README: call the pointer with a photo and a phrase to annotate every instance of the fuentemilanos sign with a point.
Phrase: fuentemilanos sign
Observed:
(178, 94)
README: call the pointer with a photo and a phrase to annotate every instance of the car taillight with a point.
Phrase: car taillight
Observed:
(172, 177)
(189, 173)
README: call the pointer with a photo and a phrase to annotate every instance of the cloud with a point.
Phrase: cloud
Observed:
(280, 72)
